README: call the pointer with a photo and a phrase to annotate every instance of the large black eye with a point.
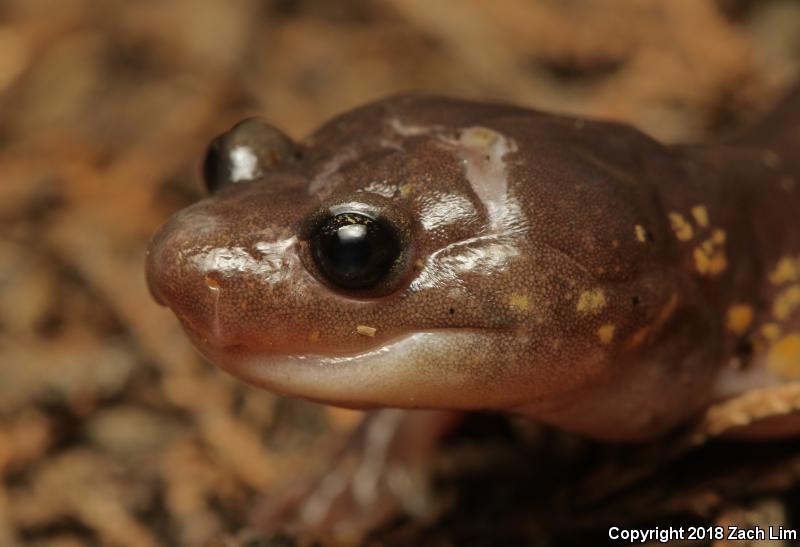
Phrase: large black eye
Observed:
(355, 251)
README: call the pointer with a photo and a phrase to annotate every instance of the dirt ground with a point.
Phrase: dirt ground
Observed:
(114, 432)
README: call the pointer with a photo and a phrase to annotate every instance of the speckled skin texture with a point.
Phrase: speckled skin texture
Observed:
(574, 271)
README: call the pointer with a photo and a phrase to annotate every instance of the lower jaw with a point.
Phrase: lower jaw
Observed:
(415, 370)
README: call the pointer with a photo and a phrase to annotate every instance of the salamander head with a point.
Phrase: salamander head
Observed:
(419, 252)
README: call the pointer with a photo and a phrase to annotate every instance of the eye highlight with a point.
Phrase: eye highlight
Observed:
(354, 250)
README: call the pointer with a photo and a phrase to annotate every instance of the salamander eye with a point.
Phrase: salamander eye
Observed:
(248, 150)
(354, 250)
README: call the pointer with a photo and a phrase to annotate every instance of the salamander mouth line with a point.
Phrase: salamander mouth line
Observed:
(336, 357)
(422, 369)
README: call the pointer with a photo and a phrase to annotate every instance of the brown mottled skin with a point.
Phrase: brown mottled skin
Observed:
(543, 272)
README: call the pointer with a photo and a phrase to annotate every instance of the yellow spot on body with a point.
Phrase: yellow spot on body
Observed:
(784, 357)
(786, 302)
(709, 256)
(771, 331)
(405, 190)
(700, 214)
(703, 261)
(739, 318)
(591, 301)
(787, 269)
(641, 233)
(787, 184)
(683, 230)
(364, 330)
(518, 301)
(314, 336)
(606, 333)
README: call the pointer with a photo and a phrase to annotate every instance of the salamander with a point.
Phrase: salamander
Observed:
(423, 252)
